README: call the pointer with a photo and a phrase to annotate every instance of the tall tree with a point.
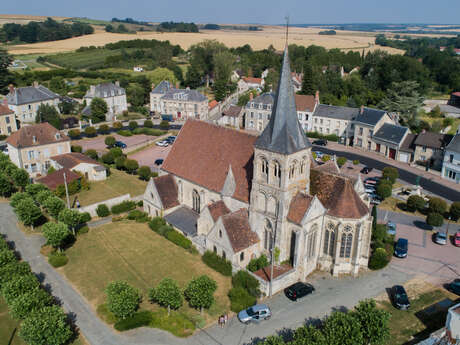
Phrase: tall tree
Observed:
(6, 77)
(122, 299)
(48, 113)
(308, 84)
(374, 322)
(200, 292)
(98, 109)
(342, 329)
(55, 234)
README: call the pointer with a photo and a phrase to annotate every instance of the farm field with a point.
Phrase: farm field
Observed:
(24, 19)
(270, 35)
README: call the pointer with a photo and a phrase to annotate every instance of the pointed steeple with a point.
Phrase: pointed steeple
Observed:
(283, 133)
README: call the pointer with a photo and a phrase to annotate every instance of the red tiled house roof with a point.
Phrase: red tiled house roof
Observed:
(238, 230)
(44, 134)
(253, 80)
(72, 159)
(218, 209)
(299, 205)
(57, 178)
(305, 102)
(4, 110)
(167, 190)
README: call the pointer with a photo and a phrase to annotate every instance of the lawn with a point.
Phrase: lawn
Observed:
(118, 183)
(132, 252)
(407, 325)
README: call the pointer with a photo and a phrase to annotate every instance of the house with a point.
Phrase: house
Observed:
(112, 94)
(214, 110)
(78, 162)
(407, 149)
(32, 147)
(242, 195)
(306, 105)
(56, 178)
(8, 123)
(181, 104)
(231, 116)
(248, 83)
(388, 140)
(451, 162)
(429, 147)
(331, 119)
(25, 101)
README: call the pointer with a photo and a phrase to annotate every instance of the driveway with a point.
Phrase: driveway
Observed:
(149, 155)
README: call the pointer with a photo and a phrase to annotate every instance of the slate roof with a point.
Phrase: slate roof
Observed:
(57, 178)
(238, 230)
(408, 143)
(4, 110)
(232, 111)
(167, 190)
(266, 98)
(184, 219)
(391, 133)
(449, 109)
(72, 159)
(44, 134)
(163, 87)
(299, 205)
(454, 144)
(184, 95)
(433, 140)
(305, 102)
(283, 133)
(203, 153)
(218, 209)
(105, 90)
(30, 94)
(335, 112)
(370, 116)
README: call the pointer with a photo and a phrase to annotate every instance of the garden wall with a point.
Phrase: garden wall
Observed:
(91, 209)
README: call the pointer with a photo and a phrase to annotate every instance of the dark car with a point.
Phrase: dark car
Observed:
(159, 161)
(320, 142)
(455, 286)
(120, 144)
(401, 248)
(298, 290)
(366, 170)
(400, 299)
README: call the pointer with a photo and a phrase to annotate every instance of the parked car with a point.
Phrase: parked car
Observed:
(159, 161)
(120, 144)
(401, 248)
(400, 299)
(255, 313)
(320, 142)
(369, 190)
(455, 286)
(162, 143)
(457, 239)
(373, 180)
(319, 154)
(440, 237)
(391, 228)
(298, 290)
(366, 170)
(375, 201)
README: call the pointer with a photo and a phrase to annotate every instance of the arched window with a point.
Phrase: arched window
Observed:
(268, 232)
(196, 201)
(241, 256)
(311, 242)
(346, 242)
(332, 244)
(264, 166)
(348, 245)
(326, 242)
(303, 164)
(277, 170)
(292, 170)
(329, 239)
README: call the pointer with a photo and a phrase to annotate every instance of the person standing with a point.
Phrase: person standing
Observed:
(225, 318)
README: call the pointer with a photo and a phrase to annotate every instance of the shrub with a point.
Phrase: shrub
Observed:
(217, 263)
(110, 141)
(390, 173)
(56, 259)
(16, 198)
(245, 280)
(76, 148)
(355, 161)
(117, 125)
(148, 123)
(108, 158)
(164, 124)
(120, 163)
(454, 211)
(102, 210)
(179, 239)
(156, 223)
(104, 129)
(139, 319)
(42, 196)
(124, 206)
(116, 152)
(379, 259)
(90, 131)
(131, 165)
(437, 205)
(140, 203)
(325, 158)
(384, 190)
(6, 257)
(92, 154)
(240, 299)
(434, 219)
(85, 217)
(133, 125)
(258, 263)
(164, 230)
(415, 202)
(83, 230)
(144, 172)
(125, 132)
(138, 216)
(74, 133)
(341, 161)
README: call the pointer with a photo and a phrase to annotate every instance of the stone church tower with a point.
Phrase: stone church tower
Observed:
(281, 169)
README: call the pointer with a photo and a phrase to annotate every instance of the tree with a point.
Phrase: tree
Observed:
(131, 165)
(144, 172)
(98, 109)
(48, 113)
(47, 326)
(120, 162)
(374, 322)
(104, 129)
(6, 77)
(13, 268)
(53, 206)
(74, 133)
(17, 197)
(116, 152)
(308, 335)
(28, 212)
(91, 153)
(437, 205)
(6, 187)
(90, 131)
(390, 174)
(17, 286)
(43, 195)
(342, 329)
(159, 74)
(6, 257)
(374, 218)
(167, 294)
(434, 219)
(110, 141)
(34, 189)
(148, 123)
(135, 95)
(133, 125)
(55, 234)
(29, 302)
(71, 218)
(308, 85)
(107, 158)
(220, 90)
(273, 340)
(200, 292)
(415, 202)
(122, 299)
(21, 178)
(454, 211)
(341, 161)
(384, 190)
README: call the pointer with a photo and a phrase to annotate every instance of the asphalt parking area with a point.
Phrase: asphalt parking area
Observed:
(150, 155)
(99, 145)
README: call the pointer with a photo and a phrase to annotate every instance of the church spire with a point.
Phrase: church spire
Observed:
(283, 133)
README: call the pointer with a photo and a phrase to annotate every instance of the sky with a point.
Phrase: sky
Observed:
(250, 12)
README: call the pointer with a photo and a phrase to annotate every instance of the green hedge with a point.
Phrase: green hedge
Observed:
(379, 259)
(57, 259)
(217, 263)
(316, 135)
(85, 217)
(102, 210)
(240, 299)
(179, 239)
(138, 216)
(124, 206)
(125, 132)
(149, 131)
(139, 319)
(156, 223)
(246, 281)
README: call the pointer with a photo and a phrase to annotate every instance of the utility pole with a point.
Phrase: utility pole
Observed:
(66, 192)
(273, 248)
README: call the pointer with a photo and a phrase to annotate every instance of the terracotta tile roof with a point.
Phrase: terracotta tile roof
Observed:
(337, 194)
(72, 159)
(167, 189)
(203, 153)
(278, 270)
(44, 134)
(4, 110)
(57, 178)
(330, 167)
(299, 205)
(238, 230)
(213, 104)
(253, 80)
(305, 102)
(218, 209)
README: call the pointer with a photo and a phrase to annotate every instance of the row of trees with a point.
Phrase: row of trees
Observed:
(12, 178)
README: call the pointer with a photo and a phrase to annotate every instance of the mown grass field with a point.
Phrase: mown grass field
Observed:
(132, 252)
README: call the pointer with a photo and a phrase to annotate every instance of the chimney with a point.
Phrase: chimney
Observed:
(362, 110)
(317, 97)
(11, 88)
(251, 96)
(117, 83)
(35, 83)
(153, 86)
(177, 85)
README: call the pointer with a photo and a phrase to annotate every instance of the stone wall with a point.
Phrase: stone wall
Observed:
(91, 209)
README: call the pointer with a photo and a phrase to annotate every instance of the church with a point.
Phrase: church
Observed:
(242, 196)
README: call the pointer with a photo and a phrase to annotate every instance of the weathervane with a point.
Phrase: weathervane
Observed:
(287, 29)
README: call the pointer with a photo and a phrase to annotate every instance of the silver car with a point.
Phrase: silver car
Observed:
(255, 313)
(440, 238)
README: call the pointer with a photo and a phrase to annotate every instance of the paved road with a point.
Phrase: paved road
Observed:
(452, 194)
(331, 294)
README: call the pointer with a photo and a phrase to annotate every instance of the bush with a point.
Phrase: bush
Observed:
(240, 299)
(120, 163)
(379, 259)
(6, 257)
(122, 299)
(108, 158)
(124, 206)
(414, 203)
(179, 239)
(104, 129)
(92, 154)
(83, 230)
(257, 264)
(144, 172)
(355, 162)
(325, 158)
(435, 219)
(140, 203)
(437, 205)
(102, 210)
(148, 123)
(156, 223)
(138, 216)
(245, 280)
(116, 152)
(85, 217)
(384, 190)
(164, 230)
(56, 259)
(125, 132)
(164, 124)
(217, 263)
(390, 173)
(454, 211)
(139, 319)
(131, 165)
(74, 133)
(341, 161)
(76, 148)
(90, 131)
(110, 141)
(117, 125)
(133, 125)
